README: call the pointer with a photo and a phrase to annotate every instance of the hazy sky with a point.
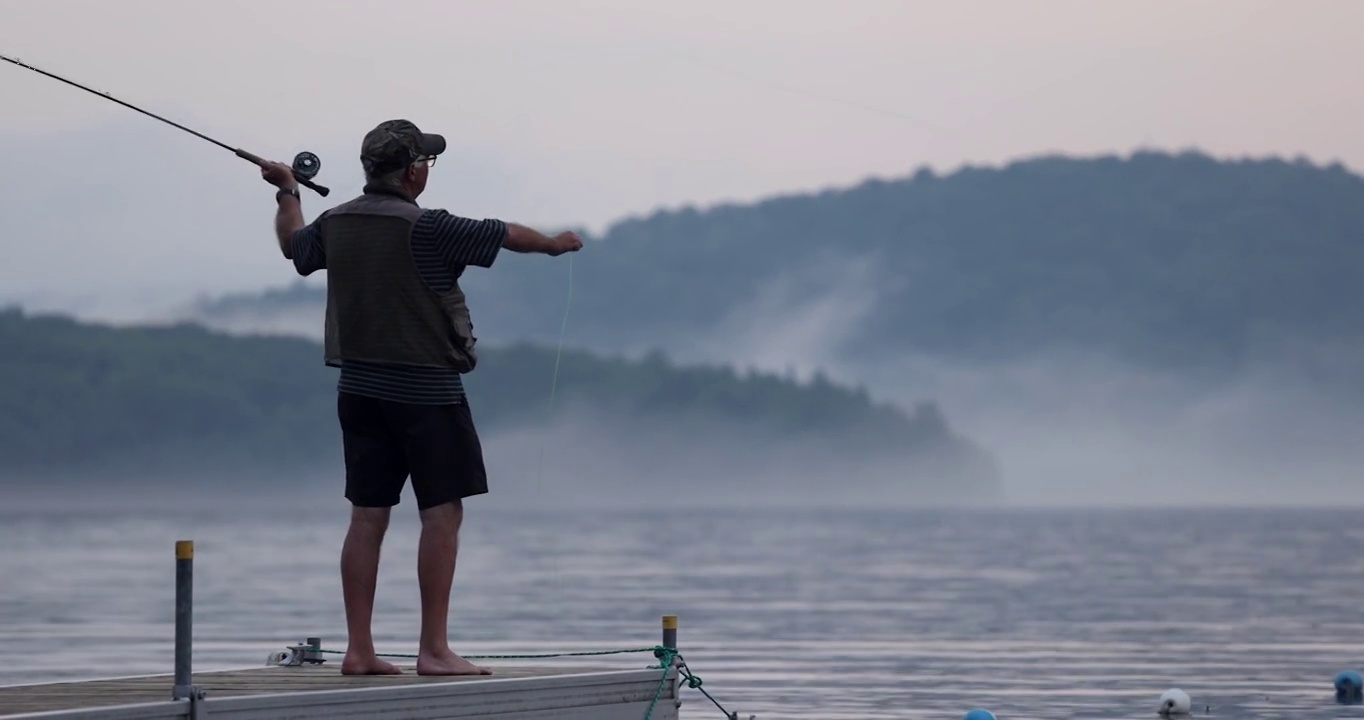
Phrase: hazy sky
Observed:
(561, 111)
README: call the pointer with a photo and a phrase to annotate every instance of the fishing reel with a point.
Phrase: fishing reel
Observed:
(307, 165)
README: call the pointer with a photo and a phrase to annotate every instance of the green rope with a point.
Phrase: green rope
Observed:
(665, 657)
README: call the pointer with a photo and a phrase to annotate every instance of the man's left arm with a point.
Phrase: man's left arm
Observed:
(288, 220)
(462, 241)
(298, 241)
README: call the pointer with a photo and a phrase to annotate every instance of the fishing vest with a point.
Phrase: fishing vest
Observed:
(378, 307)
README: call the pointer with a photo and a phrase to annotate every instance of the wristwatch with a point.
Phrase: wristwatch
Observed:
(286, 191)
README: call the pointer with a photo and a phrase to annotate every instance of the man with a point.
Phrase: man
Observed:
(398, 328)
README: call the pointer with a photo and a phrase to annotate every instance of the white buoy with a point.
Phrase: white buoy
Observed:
(1174, 702)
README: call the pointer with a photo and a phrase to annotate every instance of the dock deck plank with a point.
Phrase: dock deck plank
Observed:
(74, 695)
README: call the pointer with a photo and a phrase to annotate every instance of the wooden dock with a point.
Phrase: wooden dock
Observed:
(298, 683)
(321, 691)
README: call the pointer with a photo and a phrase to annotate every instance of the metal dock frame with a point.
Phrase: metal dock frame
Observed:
(603, 695)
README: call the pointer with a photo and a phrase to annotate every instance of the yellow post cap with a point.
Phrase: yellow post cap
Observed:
(184, 549)
(669, 622)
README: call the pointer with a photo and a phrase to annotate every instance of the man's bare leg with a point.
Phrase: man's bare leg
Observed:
(359, 575)
(436, 554)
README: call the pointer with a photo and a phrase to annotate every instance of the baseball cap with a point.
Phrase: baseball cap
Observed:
(394, 144)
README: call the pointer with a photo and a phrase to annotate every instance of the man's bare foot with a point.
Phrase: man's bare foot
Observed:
(367, 665)
(447, 663)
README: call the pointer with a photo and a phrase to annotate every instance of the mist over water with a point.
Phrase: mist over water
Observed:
(1083, 429)
(1096, 433)
(1071, 425)
(583, 461)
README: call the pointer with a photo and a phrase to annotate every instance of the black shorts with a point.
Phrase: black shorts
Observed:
(386, 441)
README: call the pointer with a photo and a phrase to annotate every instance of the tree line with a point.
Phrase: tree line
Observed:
(77, 395)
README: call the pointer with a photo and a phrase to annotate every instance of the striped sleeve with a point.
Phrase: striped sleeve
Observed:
(308, 250)
(461, 241)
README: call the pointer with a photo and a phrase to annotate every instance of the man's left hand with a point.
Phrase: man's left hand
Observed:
(279, 175)
(564, 242)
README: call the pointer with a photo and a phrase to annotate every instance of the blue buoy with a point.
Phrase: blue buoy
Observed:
(1349, 688)
(979, 714)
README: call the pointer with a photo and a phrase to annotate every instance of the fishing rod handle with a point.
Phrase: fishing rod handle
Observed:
(319, 189)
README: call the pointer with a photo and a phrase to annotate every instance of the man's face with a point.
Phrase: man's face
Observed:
(417, 174)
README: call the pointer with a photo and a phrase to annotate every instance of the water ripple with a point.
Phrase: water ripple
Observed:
(786, 614)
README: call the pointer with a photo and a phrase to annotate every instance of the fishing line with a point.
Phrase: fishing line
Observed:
(554, 378)
(549, 411)
(305, 166)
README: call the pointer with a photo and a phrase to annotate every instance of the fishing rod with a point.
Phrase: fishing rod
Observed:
(306, 165)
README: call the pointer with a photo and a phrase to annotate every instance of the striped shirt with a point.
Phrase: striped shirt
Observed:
(443, 245)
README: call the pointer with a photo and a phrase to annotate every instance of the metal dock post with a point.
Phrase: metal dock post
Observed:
(184, 688)
(670, 632)
(184, 619)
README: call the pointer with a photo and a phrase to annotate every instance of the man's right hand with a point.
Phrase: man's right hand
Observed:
(565, 242)
(279, 175)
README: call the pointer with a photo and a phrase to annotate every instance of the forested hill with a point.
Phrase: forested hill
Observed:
(1169, 261)
(91, 400)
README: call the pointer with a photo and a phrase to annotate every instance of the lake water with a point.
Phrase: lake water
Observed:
(784, 613)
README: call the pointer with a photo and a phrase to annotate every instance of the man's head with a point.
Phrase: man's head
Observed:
(391, 151)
